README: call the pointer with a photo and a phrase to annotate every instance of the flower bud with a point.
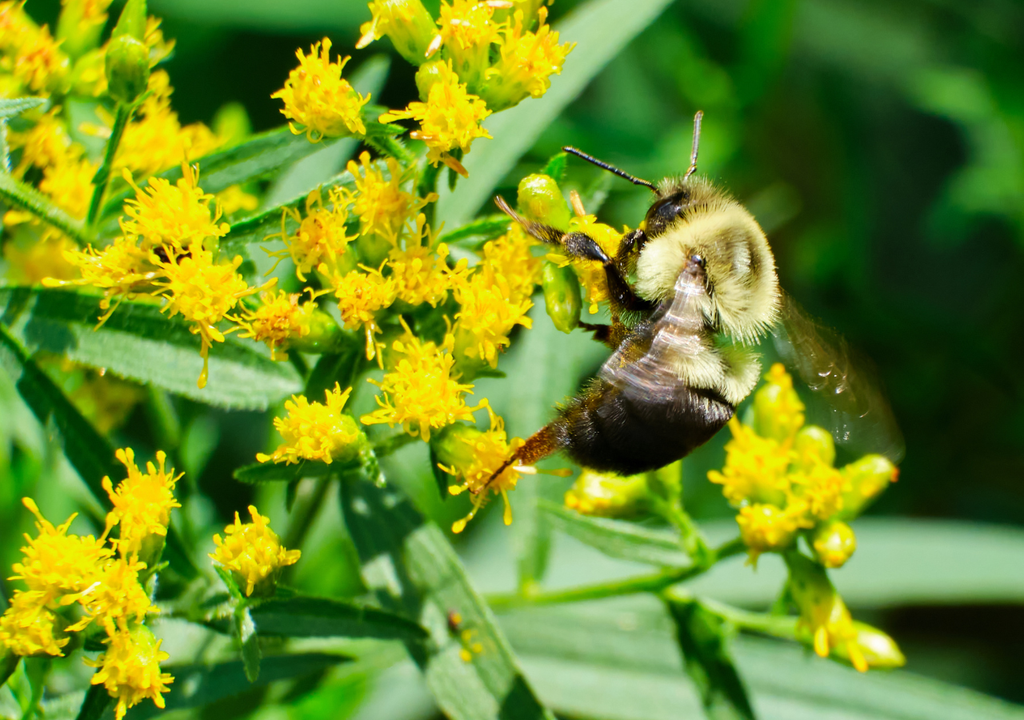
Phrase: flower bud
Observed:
(607, 494)
(127, 65)
(429, 74)
(778, 410)
(231, 123)
(454, 445)
(867, 478)
(323, 336)
(834, 543)
(407, 23)
(878, 649)
(527, 7)
(814, 446)
(562, 298)
(666, 483)
(540, 199)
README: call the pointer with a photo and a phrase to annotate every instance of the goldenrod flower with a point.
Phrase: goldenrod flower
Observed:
(421, 274)
(129, 669)
(756, 468)
(317, 101)
(407, 23)
(46, 144)
(779, 410)
(488, 311)
(321, 238)
(32, 260)
(203, 292)
(473, 456)
(55, 563)
(39, 63)
(69, 184)
(467, 31)
(120, 269)
(115, 598)
(510, 257)
(381, 204)
(766, 527)
(142, 502)
(316, 431)
(449, 119)
(279, 320)
(176, 217)
(526, 62)
(29, 627)
(607, 494)
(234, 199)
(422, 392)
(361, 295)
(253, 553)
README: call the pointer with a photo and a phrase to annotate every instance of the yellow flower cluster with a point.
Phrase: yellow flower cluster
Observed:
(253, 553)
(483, 59)
(316, 431)
(104, 580)
(780, 474)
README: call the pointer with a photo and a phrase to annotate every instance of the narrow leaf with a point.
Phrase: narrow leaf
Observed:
(322, 617)
(413, 569)
(600, 29)
(86, 450)
(708, 663)
(12, 107)
(140, 343)
(259, 473)
(618, 538)
(14, 192)
(249, 642)
(201, 684)
(95, 704)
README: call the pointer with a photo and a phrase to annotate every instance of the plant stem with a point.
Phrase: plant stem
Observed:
(306, 507)
(779, 626)
(388, 445)
(102, 176)
(654, 582)
(428, 184)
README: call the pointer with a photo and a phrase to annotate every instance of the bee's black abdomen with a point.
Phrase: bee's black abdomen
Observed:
(616, 429)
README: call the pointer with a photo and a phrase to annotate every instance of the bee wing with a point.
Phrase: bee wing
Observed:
(858, 413)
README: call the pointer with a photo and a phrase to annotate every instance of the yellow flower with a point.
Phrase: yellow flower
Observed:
(40, 64)
(316, 431)
(467, 32)
(449, 119)
(142, 502)
(510, 257)
(253, 553)
(766, 527)
(756, 468)
(29, 627)
(316, 99)
(407, 23)
(47, 143)
(473, 456)
(203, 293)
(69, 184)
(361, 295)
(55, 563)
(129, 669)
(487, 314)
(607, 494)
(320, 239)
(382, 206)
(821, 488)
(174, 216)
(526, 62)
(421, 274)
(120, 269)
(278, 320)
(778, 410)
(421, 393)
(115, 598)
(155, 139)
(38, 258)
(233, 199)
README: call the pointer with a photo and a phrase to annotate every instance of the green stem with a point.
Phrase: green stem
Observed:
(8, 664)
(306, 507)
(388, 445)
(15, 192)
(779, 626)
(655, 582)
(102, 177)
(427, 185)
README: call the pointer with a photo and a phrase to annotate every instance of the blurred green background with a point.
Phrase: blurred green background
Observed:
(881, 146)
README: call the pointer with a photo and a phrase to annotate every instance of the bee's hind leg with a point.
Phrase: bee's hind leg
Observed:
(546, 441)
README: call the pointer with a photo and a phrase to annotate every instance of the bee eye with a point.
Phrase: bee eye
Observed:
(665, 211)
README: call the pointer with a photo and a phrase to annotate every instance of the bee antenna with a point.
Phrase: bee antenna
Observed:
(696, 144)
(610, 168)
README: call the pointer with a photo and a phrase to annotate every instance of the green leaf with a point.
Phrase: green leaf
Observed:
(140, 343)
(248, 641)
(201, 684)
(8, 664)
(259, 473)
(481, 230)
(12, 107)
(707, 660)
(413, 569)
(86, 450)
(555, 167)
(272, 16)
(899, 561)
(618, 538)
(322, 617)
(14, 192)
(600, 29)
(95, 704)
(620, 662)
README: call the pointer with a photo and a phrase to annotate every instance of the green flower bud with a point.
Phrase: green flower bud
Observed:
(778, 410)
(814, 446)
(428, 74)
(878, 649)
(834, 543)
(607, 494)
(562, 298)
(407, 23)
(231, 123)
(867, 477)
(127, 65)
(540, 199)
(666, 483)
(454, 445)
(324, 336)
(132, 21)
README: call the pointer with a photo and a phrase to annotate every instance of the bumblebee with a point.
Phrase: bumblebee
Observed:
(683, 334)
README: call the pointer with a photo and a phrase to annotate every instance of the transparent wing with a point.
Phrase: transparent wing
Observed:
(855, 409)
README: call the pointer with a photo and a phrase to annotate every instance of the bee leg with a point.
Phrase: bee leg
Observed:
(546, 441)
(611, 335)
